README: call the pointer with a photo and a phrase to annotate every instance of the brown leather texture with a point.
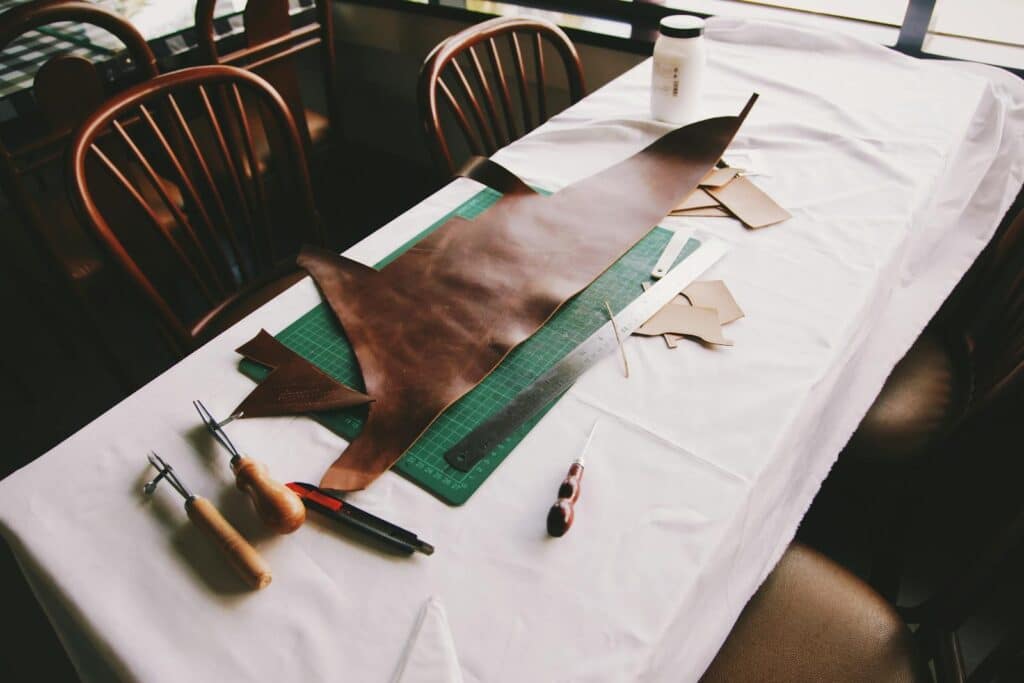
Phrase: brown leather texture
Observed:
(920, 401)
(295, 386)
(493, 175)
(814, 621)
(434, 322)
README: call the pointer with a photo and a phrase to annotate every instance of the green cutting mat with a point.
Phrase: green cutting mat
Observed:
(318, 337)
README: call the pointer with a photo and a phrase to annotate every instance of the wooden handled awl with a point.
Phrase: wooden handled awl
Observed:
(247, 562)
(563, 512)
(277, 505)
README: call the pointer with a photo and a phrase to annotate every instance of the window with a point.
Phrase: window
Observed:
(985, 30)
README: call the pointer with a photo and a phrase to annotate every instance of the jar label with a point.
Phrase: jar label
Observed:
(666, 78)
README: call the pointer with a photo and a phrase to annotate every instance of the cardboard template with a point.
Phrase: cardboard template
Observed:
(714, 294)
(693, 321)
(749, 203)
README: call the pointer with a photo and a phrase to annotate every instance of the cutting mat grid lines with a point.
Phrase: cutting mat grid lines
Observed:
(318, 337)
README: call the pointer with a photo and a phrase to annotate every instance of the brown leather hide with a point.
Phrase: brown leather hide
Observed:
(433, 323)
(294, 386)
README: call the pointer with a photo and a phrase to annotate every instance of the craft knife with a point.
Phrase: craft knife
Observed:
(490, 433)
(339, 509)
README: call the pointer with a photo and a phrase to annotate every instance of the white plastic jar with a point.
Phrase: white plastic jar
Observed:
(678, 70)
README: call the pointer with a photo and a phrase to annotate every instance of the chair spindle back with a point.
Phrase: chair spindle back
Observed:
(271, 46)
(499, 95)
(234, 224)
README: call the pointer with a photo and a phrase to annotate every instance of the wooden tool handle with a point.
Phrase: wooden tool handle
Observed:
(279, 507)
(244, 558)
(570, 487)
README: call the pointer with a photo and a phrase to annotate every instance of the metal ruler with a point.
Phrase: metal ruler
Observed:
(489, 434)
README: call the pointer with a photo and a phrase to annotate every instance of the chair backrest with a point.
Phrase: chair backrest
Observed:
(271, 45)
(67, 88)
(480, 95)
(234, 224)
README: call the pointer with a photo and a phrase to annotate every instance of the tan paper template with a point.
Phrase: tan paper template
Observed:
(698, 199)
(714, 294)
(704, 294)
(717, 177)
(693, 321)
(749, 203)
(706, 212)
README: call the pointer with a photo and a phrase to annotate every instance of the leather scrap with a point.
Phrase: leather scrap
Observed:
(698, 199)
(434, 322)
(749, 203)
(705, 212)
(714, 294)
(294, 385)
(493, 175)
(686, 320)
(717, 177)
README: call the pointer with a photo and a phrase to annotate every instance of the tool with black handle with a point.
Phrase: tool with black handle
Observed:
(329, 504)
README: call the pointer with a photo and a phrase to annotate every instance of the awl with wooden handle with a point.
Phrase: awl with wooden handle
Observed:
(245, 560)
(277, 505)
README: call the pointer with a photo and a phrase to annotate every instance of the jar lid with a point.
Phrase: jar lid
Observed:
(682, 26)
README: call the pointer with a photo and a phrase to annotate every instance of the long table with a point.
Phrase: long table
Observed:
(896, 172)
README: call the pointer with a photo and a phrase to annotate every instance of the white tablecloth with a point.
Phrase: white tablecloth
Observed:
(896, 172)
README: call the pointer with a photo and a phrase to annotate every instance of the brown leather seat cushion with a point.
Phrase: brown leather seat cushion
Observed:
(918, 403)
(812, 620)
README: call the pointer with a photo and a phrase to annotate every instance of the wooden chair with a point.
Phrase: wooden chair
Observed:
(271, 46)
(813, 620)
(236, 234)
(67, 88)
(968, 361)
(480, 97)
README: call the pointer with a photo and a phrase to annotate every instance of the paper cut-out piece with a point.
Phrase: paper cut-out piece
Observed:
(719, 176)
(438, 319)
(294, 385)
(749, 203)
(707, 212)
(698, 199)
(671, 340)
(714, 294)
(690, 321)
(705, 294)
(430, 655)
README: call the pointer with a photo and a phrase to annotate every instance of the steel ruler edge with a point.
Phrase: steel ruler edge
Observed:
(490, 433)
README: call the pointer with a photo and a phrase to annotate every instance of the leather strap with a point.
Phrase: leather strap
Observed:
(434, 322)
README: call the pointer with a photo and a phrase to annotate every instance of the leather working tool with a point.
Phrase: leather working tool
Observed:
(563, 512)
(433, 323)
(489, 434)
(333, 506)
(246, 562)
(294, 386)
(278, 507)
